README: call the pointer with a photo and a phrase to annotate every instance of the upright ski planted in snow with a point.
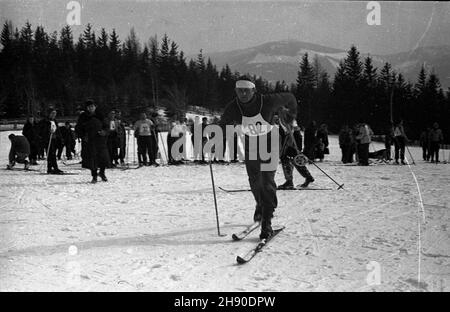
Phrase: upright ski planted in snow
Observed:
(249, 256)
(244, 233)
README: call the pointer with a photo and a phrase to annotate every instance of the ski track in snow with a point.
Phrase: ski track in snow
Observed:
(154, 229)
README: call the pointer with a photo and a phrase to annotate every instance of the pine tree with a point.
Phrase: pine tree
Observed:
(305, 89)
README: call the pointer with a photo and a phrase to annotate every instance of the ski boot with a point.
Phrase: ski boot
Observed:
(307, 182)
(288, 185)
(266, 228)
(103, 177)
(94, 180)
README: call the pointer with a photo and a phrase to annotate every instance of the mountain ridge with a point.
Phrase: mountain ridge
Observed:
(279, 60)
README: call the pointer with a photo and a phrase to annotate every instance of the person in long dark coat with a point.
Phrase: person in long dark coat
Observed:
(93, 127)
(31, 132)
(81, 136)
(322, 142)
(310, 140)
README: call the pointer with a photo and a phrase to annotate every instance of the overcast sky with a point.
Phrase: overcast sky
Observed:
(228, 25)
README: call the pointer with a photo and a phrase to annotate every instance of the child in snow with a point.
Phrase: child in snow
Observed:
(20, 150)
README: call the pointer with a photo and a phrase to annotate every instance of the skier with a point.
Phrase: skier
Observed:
(52, 139)
(20, 150)
(436, 138)
(388, 140)
(83, 116)
(289, 150)
(69, 140)
(346, 143)
(113, 139)
(94, 129)
(400, 140)
(424, 143)
(251, 109)
(121, 134)
(364, 138)
(143, 131)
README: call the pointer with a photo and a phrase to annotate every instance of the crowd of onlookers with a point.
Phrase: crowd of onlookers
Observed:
(105, 141)
(354, 143)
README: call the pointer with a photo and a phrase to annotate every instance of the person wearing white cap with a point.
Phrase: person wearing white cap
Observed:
(255, 113)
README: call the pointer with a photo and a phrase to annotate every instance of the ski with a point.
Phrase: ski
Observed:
(60, 174)
(249, 256)
(294, 189)
(65, 163)
(244, 233)
(21, 169)
(130, 168)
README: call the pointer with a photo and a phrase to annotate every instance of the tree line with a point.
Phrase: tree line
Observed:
(360, 92)
(41, 70)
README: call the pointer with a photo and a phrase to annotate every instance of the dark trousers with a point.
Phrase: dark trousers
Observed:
(51, 156)
(264, 188)
(363, 154)
(112, 147)
(145, 147)
(424, 153)
(387, 146)
(33, 152)
(122, 151)
(347, 154)
(59, 149)
(399, 143)
(288, 168)
(94, 172)
(434, 151)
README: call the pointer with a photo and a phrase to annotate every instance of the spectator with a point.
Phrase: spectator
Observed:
(31, 132)
(436, 138)
(364, 138)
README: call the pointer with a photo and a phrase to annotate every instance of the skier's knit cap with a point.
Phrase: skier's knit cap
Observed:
(245, 84)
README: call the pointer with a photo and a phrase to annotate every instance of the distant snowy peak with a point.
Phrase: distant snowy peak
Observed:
(279, 60)
(295, 60)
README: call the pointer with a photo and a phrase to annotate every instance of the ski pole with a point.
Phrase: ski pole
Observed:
(48, 149)
(215, 200)
(341, 186)
(413, 162)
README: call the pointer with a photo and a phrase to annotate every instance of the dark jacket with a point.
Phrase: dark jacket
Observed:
(20, 145)
(31, 132)
(68, 136)
(94, 131)
(46, 132)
